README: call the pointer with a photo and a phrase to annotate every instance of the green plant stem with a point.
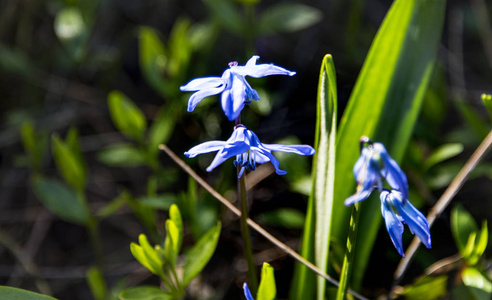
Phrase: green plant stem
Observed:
(349, 253)
(248, 251)
(250, 222)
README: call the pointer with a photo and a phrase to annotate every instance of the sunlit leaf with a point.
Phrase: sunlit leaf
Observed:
(267, 289)
(316, 239)
(199, 255)
(474, 278)
(69, 23)
(147, 256)
(427, 287)
(171, 243)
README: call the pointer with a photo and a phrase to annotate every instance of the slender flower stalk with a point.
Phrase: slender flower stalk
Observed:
(235, 91)
(248, 249)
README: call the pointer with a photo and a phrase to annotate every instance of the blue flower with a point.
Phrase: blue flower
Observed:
(248, 150)
(247, 293)
(396, 209)
(236, 91)
(373, 165)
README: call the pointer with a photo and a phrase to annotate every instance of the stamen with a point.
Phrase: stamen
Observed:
(232, 64)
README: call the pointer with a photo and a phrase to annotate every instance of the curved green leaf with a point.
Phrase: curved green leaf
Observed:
(145, 293)
(127, 117)
(11, 293)
(267, 289)
(60, 200)
(384, 106)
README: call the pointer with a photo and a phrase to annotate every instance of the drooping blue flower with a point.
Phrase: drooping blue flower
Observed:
(396, 209)
(248, 150)
(247, 293)
(374, 165)
(236, 91)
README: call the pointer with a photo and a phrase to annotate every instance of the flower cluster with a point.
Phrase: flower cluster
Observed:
(375, 165)
(236, 93)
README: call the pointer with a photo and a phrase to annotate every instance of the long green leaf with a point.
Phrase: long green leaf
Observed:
(384, 105)
(316, 238)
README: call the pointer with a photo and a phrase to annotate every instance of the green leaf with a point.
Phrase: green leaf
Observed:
(147, 256)
(487, 102)
(153, 58)
(199, 255)
(29, 139)
(427, 287)
(121, 155)
(474, 278)
(267, 289)
(283, 217)
(288, 17)
(127, 117)
(69, 164)
(60, 200)
(227, 14)
(384, 106)
(96, 283)
(163, 201)
(443, 153)
(315, 244)
(171, 250)
(145, 293)
(175, 216)
(462, 226)
(11, 293)
(162, 128)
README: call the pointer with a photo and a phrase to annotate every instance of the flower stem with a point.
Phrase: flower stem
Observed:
(248, 252)
(349, 253)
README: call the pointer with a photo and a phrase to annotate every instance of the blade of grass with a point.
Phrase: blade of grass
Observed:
(316, 236)
(384, 105)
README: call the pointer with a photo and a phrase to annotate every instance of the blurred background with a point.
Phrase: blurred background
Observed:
(61, 61)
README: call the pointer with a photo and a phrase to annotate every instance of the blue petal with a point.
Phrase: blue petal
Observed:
(198, 96)
(233, 98)
(297, 149)
(415, 220)
(272, 158)
(359, 196)
(206, 147)
(257, 71)
(247, 293)
(392, 172)
(227, 153)
(202, 83)
(393, 225)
